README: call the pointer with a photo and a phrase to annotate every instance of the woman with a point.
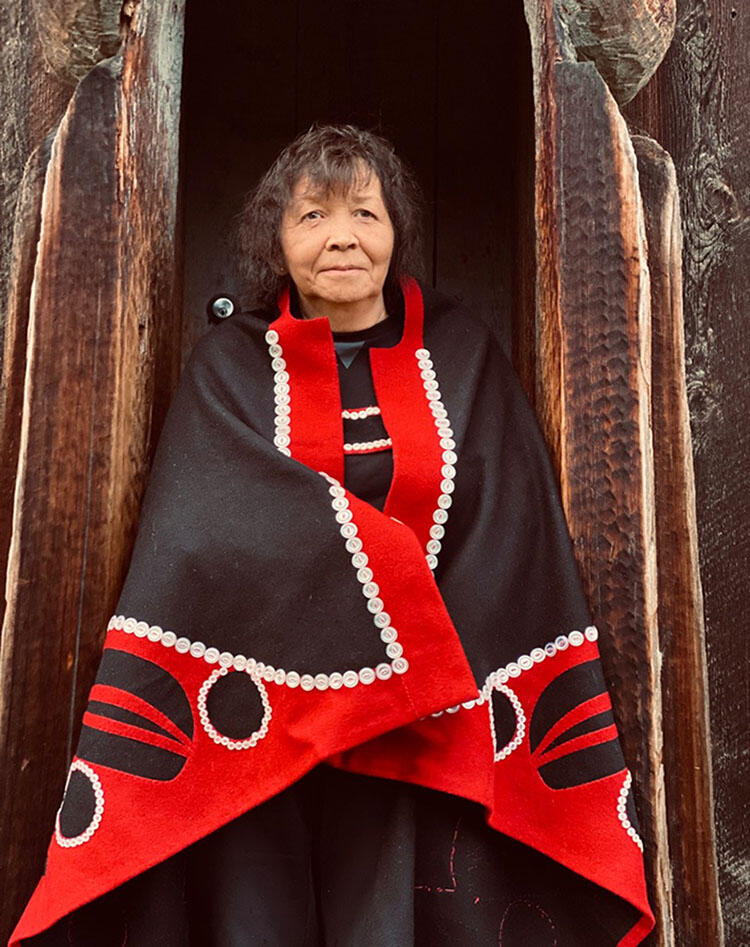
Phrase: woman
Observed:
(351, 694)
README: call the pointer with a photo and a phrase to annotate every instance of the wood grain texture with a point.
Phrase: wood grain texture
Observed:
(33, 102)
(607, 465)
(102, 308)
(687, 757)
(625, 39)
(540, 346)
(592, 382)
(13, 368)
(67, 358)
(76, 34)
(697, 108)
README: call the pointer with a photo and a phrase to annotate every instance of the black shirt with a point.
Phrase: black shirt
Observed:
(368, 461)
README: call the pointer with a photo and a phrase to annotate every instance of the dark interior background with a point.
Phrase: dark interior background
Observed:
(449, 84)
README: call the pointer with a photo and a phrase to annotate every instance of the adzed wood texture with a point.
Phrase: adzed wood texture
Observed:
(698, 108)
(32, 104)
(612, 394)
(593, 378)
(98, 367)
(625, 39)
(75, 35)
(687, 757)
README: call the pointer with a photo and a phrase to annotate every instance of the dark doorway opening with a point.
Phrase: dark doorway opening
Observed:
(449, 84)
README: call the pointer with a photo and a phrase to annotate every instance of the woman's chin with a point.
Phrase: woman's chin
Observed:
(344, 295)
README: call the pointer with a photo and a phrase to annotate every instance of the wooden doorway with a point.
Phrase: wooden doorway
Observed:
(452, 88)
(452, 91)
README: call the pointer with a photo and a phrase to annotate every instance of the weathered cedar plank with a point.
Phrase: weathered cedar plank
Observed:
(76, 34)
(591, 392)
(687, 756)
(33, 102)
(697, 108)
(540, 348)
(67, 357)
(21, 272)
(103, 353)
(607, 465)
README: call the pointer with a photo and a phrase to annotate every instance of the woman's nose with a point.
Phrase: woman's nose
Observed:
(341, 235)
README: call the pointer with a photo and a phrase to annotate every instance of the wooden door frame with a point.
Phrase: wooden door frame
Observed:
(75, 462)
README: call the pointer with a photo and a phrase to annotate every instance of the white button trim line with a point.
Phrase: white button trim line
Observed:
(448, 446)
(96, 785)
(525, 662)
(220, 738)
(282, 407)
(622, 812)
(359, 414)
(365, 447)
(502, 752)
(266, 672)
(370, 589)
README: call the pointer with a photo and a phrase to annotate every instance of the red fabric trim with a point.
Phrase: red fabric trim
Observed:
(578, 714)
(639, 931)
(133, 732)
(317, 430)
(577, 743)
(121, 698)
(417, 455)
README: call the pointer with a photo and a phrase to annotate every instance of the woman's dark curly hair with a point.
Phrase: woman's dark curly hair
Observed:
(331, 156)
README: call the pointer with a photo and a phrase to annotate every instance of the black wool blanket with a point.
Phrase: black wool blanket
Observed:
(271, 620)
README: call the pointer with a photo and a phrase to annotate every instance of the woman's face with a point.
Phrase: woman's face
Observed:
(337, 246)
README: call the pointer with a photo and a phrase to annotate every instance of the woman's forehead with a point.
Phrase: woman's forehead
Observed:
(359, 179)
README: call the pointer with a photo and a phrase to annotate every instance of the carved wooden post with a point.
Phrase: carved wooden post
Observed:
(96, 373)
(602, 396)
(685, 723)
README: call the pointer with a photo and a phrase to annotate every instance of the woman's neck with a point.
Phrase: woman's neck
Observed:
(345, 316)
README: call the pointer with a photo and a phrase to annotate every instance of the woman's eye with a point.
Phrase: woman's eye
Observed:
(312, 215)
(363, 212)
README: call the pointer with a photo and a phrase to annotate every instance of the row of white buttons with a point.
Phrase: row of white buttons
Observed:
(362, 447)
(96, 786)
(520, 731)
(282, 406)
(622, 811)
(524, 663)
(219, 738)
(293, 679)
(527, 661)
(448, 445)
(370, 589)
(358, 414)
